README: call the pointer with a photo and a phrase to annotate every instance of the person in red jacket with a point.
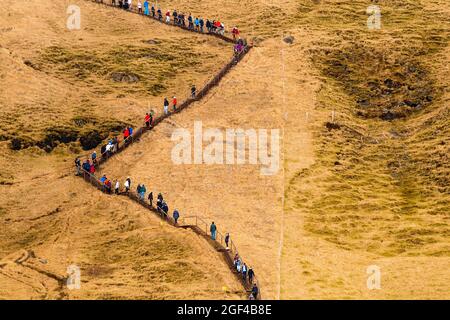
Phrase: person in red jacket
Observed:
(147, 120)
(92, 169)
(174, 103)
(235, 33)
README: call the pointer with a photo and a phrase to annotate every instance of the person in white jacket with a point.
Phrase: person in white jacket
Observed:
(127, 185)
(117, 187)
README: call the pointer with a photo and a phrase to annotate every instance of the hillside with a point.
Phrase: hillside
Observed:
(364, 169)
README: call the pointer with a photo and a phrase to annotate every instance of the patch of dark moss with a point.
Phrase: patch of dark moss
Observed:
(55, 136)
(21, 142)
(384, 85)
(91, 139)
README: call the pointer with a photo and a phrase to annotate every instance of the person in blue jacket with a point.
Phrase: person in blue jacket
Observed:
(146, 7)
(176, 215)
(213, 230)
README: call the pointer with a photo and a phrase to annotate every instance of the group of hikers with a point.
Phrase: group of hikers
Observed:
(162, 208)
(247, 274)
(89, 165)
(176, 17)
(149, 116)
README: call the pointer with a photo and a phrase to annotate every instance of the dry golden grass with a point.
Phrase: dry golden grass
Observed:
(362, 192)
(378, 190)
(54, 219)
(70, 89)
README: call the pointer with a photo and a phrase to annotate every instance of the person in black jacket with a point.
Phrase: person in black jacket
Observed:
(255, 291)
(176, 215)
(175, 16)
(150, 198)
(250, 274)
(78, 165)
(159, 14)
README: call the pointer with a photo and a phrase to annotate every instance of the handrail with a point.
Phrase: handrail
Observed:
(92, 179)
(228, 252)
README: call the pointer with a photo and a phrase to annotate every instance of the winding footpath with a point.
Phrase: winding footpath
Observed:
(197, 225)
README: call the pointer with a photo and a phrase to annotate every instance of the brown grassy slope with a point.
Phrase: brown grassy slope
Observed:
(123, 252)
(378, 191)
(73, 85)
(236, 197)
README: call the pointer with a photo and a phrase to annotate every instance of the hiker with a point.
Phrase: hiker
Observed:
(130, 5)
(227, 239)
(159, 204)
(197, 24)
(86, 166)
(78, 165)
(143, 191)
(250, 275)
(238, 48)
(244, 272)
(162, 207)
(159, 14)
(150, 198)
(125, 5)
(146, 7)
(208, 25)
(108, 149)
(235, 260)
(103, 179)
(126, 134)
(127, 185)
(191, 23)
(165, 209)
(94, 157)
(255, 291)
(117, 187)
(153, 10)
(138, 191)
(108, 186)
(174, 103)
(175, 16)
(235, 32)
(147, 120)
(168, 16)
(115, 142)
(166, 106)
(213, 230)
(176, 215)
(121, 4)
(182, 20)
(113, 3)
(202, 23)
(151, 118)
(221, 28)
(103, 150)
(92, 169)
(193, 91)
(238, 265)
(139, 5)
(251, 297)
